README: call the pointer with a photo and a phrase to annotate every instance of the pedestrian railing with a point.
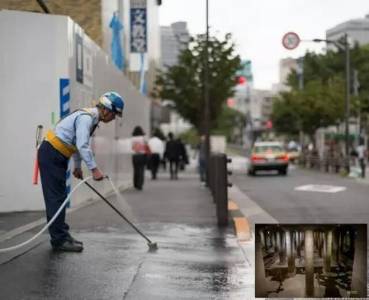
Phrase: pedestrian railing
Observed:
(328, 163)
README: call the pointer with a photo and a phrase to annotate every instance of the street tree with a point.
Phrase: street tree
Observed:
(285, 114)
(317, 105)
(321, 102)
(184, 83)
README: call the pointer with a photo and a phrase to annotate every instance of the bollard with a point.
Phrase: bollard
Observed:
(210, 180)
(218, 184)
(221, 194)
(229, 160)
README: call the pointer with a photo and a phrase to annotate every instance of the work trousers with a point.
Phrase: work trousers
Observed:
(139, 163)
(202, 170)
(53, 169)
(154, 164)
(173, 168)
(362, 167)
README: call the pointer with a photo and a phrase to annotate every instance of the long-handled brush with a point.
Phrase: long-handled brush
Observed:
(152, 246)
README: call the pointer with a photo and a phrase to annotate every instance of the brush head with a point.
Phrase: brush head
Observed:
(152, 246)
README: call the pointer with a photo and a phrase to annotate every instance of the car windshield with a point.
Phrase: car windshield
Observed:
(267, 148)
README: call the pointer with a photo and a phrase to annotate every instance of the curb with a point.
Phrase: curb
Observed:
(240, 223)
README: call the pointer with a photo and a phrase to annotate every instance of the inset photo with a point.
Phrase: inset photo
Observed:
(311, 260)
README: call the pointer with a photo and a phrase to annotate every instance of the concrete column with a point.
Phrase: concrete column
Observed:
(290, 255)
(262, 239)
(309, 263)
(282, 250)
(352, 241)
(260, 280)
(334, 246)
(328, 251)
(324, 244)
(358, 284)
(276, 242)
(270, 239)
(316, 241)
(266, 240)
(298, 243)
(339, 245)
(345, 240)
(320, 244)
(278, 239)
(294, 245)
(301, 240)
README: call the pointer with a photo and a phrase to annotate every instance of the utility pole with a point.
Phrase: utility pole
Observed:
(355, 92)
(206, 95)
(347, 103)
(300, 73)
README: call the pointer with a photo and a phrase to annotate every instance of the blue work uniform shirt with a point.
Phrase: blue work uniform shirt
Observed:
(75, 129)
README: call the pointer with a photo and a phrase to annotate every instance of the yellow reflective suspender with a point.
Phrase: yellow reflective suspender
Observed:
(64, 148)
(58, 144)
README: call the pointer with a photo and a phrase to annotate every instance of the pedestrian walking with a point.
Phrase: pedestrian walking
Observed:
(183, 160)
(156, 146)
(163, 161)
(202, 159)
(172, 154)
(71, 137)
(361, 155)
(141, 151)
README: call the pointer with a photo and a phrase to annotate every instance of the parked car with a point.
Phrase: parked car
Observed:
(268, 156)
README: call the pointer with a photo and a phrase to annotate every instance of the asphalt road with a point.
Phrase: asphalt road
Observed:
(277, 196)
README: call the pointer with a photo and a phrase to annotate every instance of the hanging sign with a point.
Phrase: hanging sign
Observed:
(138, 35)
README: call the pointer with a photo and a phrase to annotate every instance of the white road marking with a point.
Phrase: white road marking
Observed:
(320, 188)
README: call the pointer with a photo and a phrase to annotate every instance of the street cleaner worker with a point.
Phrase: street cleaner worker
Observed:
(71, 137)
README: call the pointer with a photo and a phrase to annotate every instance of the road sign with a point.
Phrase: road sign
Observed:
(290, 40)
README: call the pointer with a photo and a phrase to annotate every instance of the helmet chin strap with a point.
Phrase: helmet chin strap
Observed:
(103, 114)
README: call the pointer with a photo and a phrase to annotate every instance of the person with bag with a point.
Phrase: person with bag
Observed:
(141, 151)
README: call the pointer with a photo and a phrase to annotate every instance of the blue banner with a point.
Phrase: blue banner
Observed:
(117, 52)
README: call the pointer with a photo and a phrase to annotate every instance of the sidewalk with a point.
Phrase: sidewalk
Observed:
(195, 259)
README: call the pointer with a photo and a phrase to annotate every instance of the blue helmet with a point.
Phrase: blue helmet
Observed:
(113, 102)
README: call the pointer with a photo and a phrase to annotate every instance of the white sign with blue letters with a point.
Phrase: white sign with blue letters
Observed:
(138, 23)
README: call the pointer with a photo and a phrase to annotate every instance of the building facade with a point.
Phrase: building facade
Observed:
(174, 38)
(357, 30)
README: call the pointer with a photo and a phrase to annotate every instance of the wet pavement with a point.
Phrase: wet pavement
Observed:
(195, 259)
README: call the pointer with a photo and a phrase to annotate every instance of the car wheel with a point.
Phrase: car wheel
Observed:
(251, 172)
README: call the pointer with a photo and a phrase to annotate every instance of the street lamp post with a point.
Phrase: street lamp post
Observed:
(344, 45)
(206, 95)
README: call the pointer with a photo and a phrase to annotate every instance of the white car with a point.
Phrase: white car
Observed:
(268, 156)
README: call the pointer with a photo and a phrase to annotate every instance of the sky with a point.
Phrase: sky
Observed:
(258, 26)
